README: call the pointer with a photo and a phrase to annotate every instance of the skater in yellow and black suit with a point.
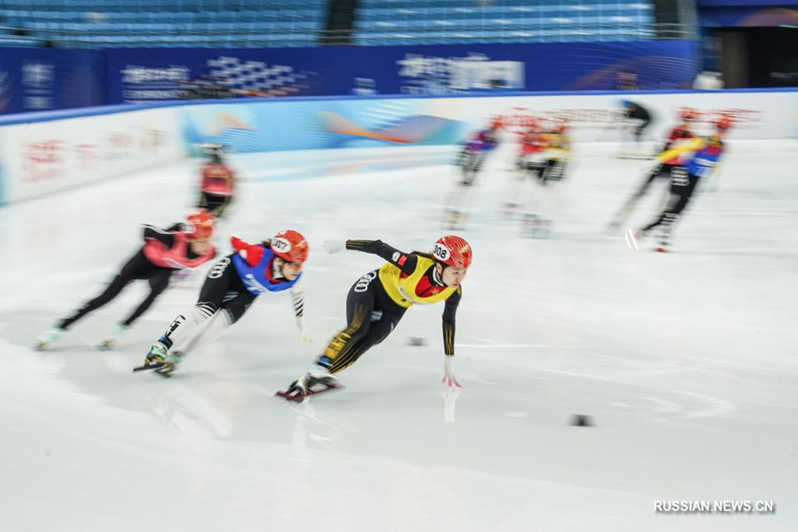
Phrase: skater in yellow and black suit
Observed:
(378, 300)
(558, 149)
(664, 169)
(704, 157)
(542, 200)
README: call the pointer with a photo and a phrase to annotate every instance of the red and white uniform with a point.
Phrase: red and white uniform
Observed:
(176, 255)
(217, 179)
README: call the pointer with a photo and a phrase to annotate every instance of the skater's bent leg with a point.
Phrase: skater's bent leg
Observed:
(629, 204)
(378, 332)
(641, 129)
(186, 325)
(359, 308)
(381, 329)
(345, 343)
(675, 199)
(214, 327)
(216, 205)
(231, 312)
(126, 275)
(212, 295)
(158, 281)
(457, 203)
(672, 215)
(107, 296)
(660, 219)
(641, 191)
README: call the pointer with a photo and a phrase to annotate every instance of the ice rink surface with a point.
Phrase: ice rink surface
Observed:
(686, 362)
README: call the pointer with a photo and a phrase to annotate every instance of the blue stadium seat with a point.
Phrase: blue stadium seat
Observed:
(297, 23)
(17, 42)
(504, 21)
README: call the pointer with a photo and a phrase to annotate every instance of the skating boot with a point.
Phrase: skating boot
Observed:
(48, 337)
(160, 360)
(317, 380)
(112, 340)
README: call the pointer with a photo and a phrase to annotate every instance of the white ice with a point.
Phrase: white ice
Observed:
(686, 362)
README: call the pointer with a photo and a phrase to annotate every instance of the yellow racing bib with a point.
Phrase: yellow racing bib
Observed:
(403, 291)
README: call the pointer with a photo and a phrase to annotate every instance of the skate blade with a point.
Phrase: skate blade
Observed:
(631, 240)
(147, 367)
(156, 368)
(300, 398)
(294, 398)
(634, 156)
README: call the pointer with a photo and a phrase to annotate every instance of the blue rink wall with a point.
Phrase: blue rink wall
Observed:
(35, 79)
(45, 152)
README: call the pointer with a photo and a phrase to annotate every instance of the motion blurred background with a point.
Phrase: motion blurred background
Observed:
(347, 119)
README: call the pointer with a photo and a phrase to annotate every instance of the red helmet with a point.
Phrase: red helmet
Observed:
(723, 122)
(496, 122)
(200, 225)
(290, 246)
(688, 113)
(559, 125)
(453, 251)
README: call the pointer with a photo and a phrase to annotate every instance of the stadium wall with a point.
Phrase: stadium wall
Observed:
(38, 79)
(41, 153)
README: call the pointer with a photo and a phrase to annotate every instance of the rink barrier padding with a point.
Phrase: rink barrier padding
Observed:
(54, 153)
(42, 153)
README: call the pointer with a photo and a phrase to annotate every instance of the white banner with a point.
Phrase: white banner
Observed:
(43, 157)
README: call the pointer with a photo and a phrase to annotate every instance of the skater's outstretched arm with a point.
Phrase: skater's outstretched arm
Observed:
(252, 253)
(298, 300)
(404, 261)
(449, 313)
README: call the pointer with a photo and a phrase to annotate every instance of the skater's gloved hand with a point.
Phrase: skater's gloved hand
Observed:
(303, 331)
(450, 396)
(448, 372)
(334, 246)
